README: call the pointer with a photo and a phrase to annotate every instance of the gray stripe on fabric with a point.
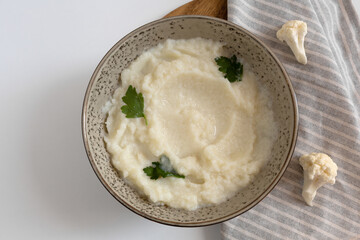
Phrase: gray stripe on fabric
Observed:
(268, 221)
(333, 33)
(245, 229)
(338, 122)
(325, 216)
(351, 32)
(350, 10)
(352, 50)
(342, 38)
(297, 223)
(326, 129)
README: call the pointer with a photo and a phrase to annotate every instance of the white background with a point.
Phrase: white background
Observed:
(48, 51)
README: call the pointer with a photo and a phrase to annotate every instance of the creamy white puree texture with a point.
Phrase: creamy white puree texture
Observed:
(216, 133)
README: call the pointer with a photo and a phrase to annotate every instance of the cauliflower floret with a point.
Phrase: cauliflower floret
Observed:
(293, 33)
(319, 169)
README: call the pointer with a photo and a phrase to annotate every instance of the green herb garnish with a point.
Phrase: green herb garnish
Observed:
(161, 169)
(231, 67)
(134, 107)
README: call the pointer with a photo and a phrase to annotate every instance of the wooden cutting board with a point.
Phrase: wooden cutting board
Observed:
(213, 8)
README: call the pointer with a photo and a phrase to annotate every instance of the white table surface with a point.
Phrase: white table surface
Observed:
(48, 51)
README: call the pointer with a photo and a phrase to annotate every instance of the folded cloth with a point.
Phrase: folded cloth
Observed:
(328, 93)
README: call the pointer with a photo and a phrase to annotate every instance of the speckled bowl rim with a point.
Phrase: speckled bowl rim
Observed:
(206, 222)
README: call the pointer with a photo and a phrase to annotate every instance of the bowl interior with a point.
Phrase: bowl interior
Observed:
(242, 43)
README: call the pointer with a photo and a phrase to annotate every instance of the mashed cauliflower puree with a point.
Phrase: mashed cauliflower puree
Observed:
(216, 133)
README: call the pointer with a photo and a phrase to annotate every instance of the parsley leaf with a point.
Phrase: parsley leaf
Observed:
(134, 101)
(231, 67)
(161, 169)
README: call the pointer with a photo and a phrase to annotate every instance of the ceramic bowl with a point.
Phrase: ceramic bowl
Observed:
(245, 45)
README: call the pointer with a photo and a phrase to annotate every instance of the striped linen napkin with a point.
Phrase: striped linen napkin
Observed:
(328, 93)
